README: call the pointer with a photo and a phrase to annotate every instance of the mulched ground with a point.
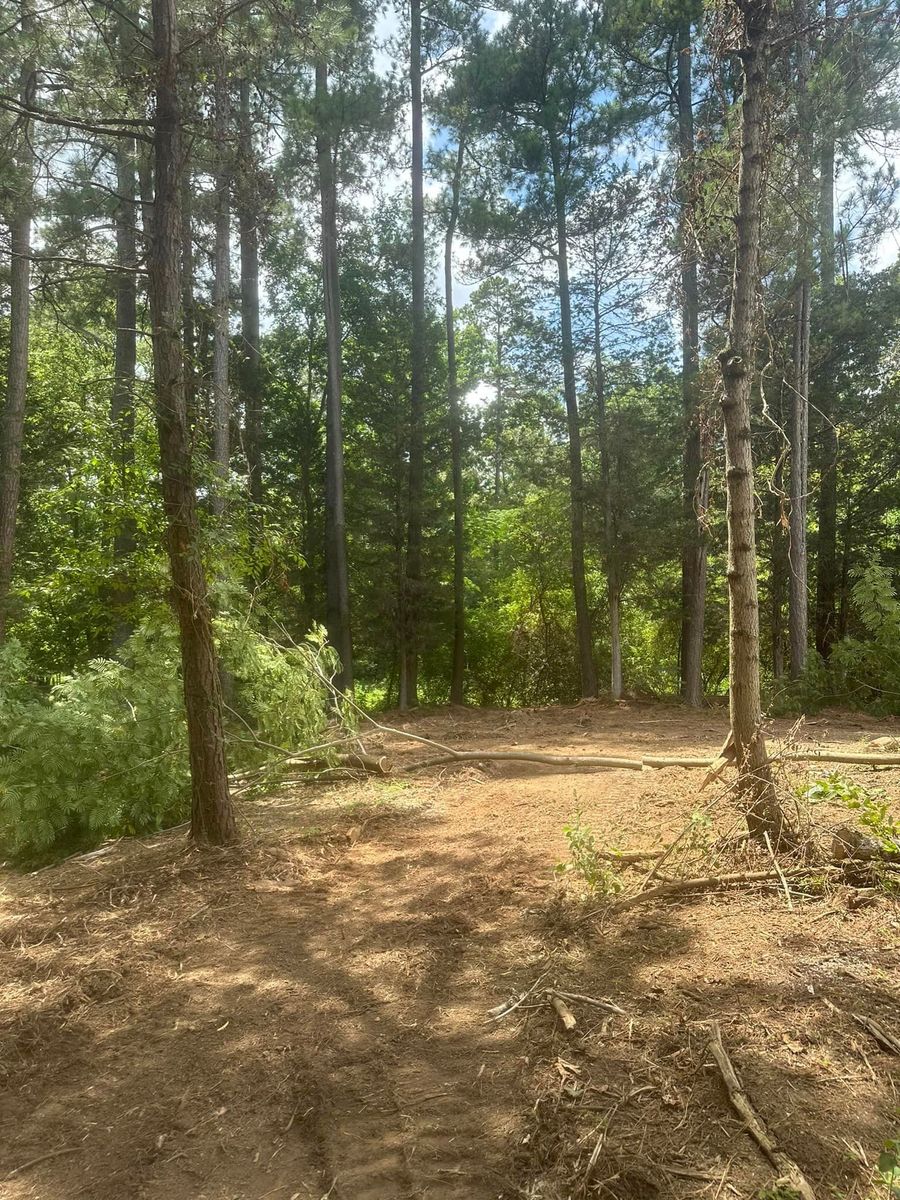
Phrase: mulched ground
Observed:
(305, 1015)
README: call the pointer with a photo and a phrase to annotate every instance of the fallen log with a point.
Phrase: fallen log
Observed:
(710, 883)
(648, 762)
(790, 1173)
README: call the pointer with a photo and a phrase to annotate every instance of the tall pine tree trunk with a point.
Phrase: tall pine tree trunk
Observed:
(826, 557)
(212, 814)
(12, 423)
(337, 585)
(696, 473)
(610, 535)
(798, 600)
(122, 405)
(458, 657)
(764, 813)
(221, 296)
(250, 364)
(412, 582)
(584, 639)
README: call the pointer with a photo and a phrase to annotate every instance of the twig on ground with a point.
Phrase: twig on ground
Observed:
(741, 1103)
(775, 864)
(33, 1162)
(503, 1010)
(606, 1005)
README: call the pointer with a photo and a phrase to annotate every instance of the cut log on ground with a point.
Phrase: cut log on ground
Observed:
(790, 1173)
(711, 883)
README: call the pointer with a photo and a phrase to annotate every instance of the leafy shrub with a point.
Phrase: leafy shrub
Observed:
(872, 806)
(587, 861)
(104, 753)
(862, 670)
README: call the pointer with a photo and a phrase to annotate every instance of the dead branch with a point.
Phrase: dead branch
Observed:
(606, 1005)
(549, 760)
(562, 1010)
(876, 1030)
(709, 884)
(741, 1103)
(33, 1162)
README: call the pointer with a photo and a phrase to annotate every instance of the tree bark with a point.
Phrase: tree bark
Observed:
(779, 569)
(212, 814)
(412, 581)
(610, 533)
(826, 557)
(122, 404)
(584, 639)
(458, 657)
(12, 426)
(337, 585)
(696, 473)
(250, 362)
(798, 598)
(798, 602)
(221, 297)
(764, 813)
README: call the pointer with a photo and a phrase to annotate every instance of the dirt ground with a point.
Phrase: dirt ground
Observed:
(304, 1016)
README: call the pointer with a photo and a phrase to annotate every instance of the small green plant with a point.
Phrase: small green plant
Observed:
(873, 807)
(889, 1167)
(587, 861)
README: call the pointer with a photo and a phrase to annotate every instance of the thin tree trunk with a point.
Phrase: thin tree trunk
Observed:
(798, 602)
(696, 473)
(584, 638)
(412, 589)
(798, 619)
(498, 435)
(212, 814)
(12, 425)
(221, 298)
(458, 660)
(826, 557)
(764, 813)
(610, 534)
(779, 569)
(337, 584)
(122, 404)
(250, 363)
(189, 331)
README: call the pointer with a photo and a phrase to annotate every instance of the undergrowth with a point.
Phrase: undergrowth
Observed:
(103, 752)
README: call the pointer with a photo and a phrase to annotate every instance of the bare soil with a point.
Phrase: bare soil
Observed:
(305, 1015)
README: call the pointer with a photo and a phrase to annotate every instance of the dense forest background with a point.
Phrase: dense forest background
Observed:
(453, 283)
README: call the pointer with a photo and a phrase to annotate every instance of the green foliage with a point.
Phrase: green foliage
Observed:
(104, 752)
(872, 806)
(864, 669)
(587, 861)
(889, 1167)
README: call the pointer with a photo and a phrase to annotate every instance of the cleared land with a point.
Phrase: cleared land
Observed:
(305, 1016)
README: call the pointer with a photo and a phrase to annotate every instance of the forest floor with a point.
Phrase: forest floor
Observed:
(304, 1016)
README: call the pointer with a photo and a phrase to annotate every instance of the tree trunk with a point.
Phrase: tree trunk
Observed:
(610, 533)
(122, 405)
(12, 427)
(798, 620)
(412, 582)
(826, 557)
(221, 298)
(337, 585)
(457, 667)
(764, 813)
(798, 601)
(188, 307)
(212, 814)
(576, 480)
(250, 364)
(696, 473)
(779, 566)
